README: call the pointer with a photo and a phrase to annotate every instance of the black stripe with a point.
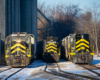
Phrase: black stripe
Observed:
(17, 47)
(51, 48)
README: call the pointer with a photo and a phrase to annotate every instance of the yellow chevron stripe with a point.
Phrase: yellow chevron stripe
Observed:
(51, 47)
(51, 44)
(52, 50)
(80, 48)
(87, 49)
(17, 49)
(81, 45)
(82, 40)
(18, 45)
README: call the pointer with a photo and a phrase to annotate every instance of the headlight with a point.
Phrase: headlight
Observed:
(19, 41)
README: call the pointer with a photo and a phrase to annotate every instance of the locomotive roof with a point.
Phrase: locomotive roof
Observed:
(51, 37)
(21, 34)
(72, 35)
(15, 34)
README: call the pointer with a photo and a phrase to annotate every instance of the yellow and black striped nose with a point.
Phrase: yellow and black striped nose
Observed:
(18, 47)
(51, 47)
(82, 44)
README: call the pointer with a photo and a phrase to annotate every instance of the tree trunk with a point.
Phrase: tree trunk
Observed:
(97, 51)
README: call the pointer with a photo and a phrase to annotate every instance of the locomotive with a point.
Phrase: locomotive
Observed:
(19, 49)
(51, 49)
(77, 48)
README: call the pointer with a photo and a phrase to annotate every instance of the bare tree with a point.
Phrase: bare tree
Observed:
(63, 19)
(90, 24)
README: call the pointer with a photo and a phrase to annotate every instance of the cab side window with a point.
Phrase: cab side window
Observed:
(72, 42)
(9, 40)
(28, 40)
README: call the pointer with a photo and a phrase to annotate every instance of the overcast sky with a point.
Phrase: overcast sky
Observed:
(81, 3)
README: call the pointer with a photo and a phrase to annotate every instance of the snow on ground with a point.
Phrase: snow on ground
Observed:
(84, 72)
(3, 68)
(74, 68)
(5, 74)
(37, 65)
(96, 60)
(68, 65)
(24, 74)
(35, 70)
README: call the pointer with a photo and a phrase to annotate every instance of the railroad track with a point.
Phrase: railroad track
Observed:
(13, 74)
(9, 72)
(94, 66)
(90, 68)
(67, 75)
(5, 70)
(55, 72)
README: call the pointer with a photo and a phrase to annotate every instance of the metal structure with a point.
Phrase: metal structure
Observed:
(0, 47)
(2, 28)
(21, 16)
(18, 16)
(47, 28)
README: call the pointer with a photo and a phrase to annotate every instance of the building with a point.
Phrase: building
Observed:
(21, 16)
(0, 47)
(2, 29)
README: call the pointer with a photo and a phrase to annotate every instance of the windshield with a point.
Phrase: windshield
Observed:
(22, 38)
(18, 38)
